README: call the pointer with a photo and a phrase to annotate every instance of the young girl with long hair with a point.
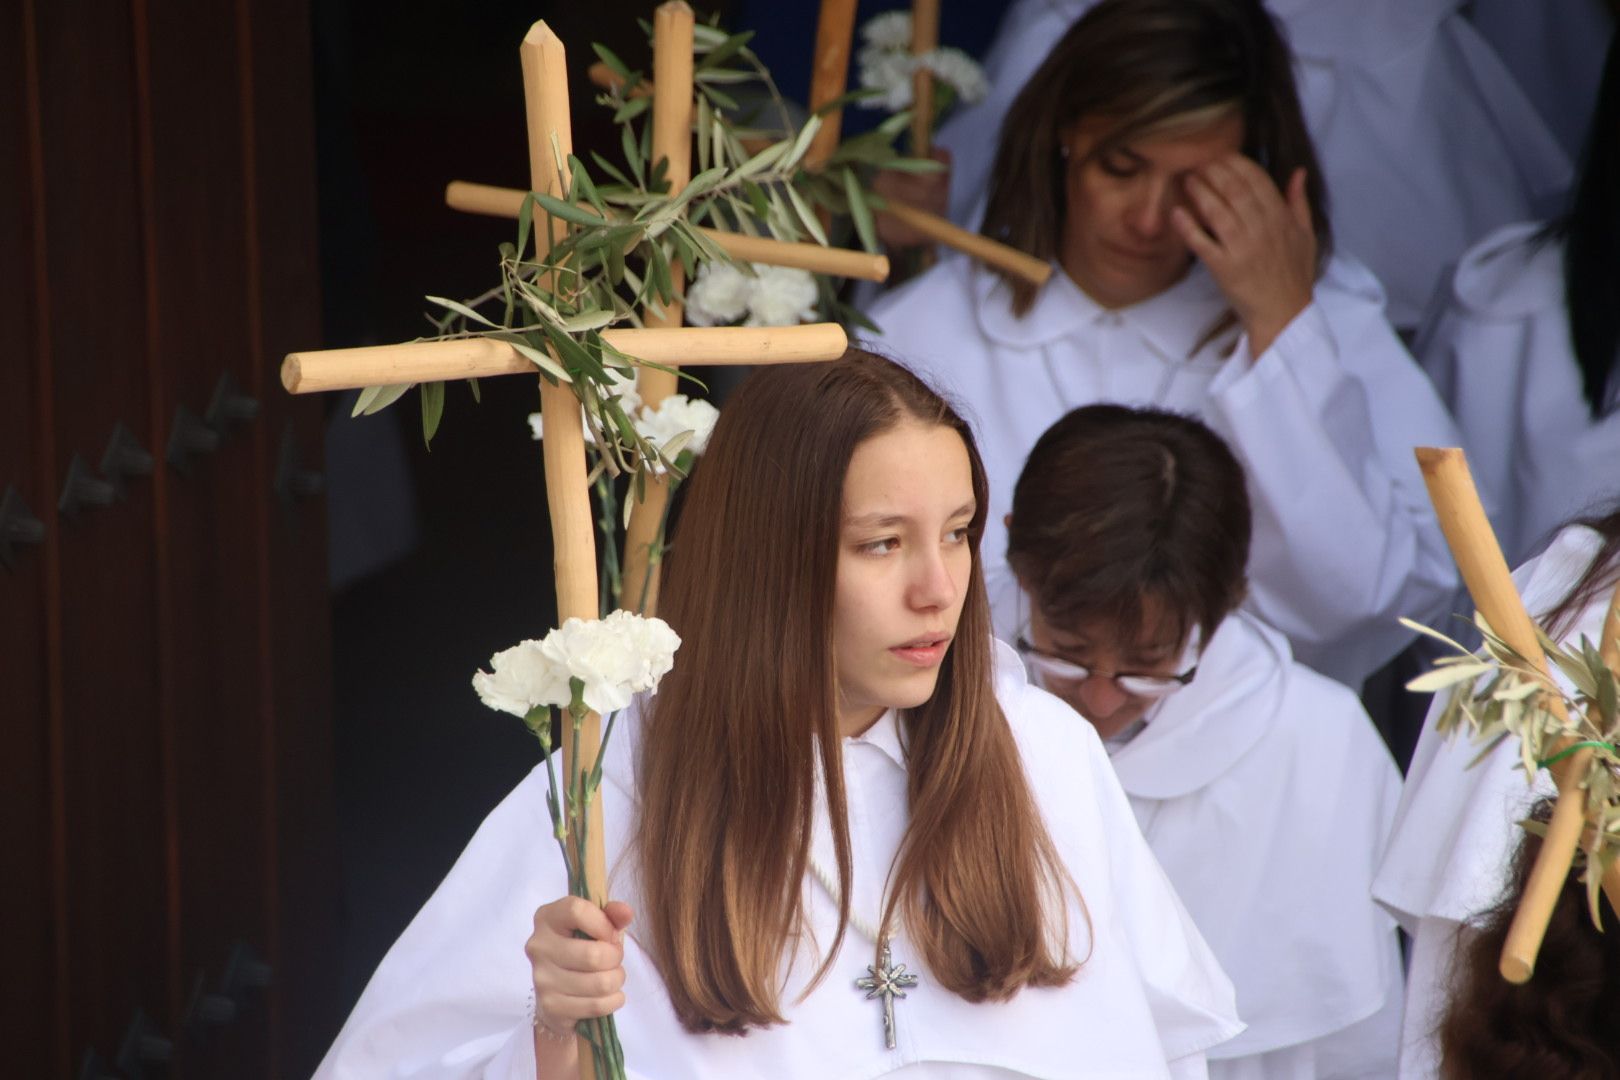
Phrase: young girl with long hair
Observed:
(1261, 786)
(1158, 158)
(843, 771)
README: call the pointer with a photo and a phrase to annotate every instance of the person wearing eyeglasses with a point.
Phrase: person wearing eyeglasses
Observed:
(1262, 787)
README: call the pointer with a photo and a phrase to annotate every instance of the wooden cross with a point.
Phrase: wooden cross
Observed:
(1490, 583)
(545, 89)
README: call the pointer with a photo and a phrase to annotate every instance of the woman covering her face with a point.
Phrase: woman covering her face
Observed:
(1427, 137)
(843, 771)
(1159, 160)
(1261, 786)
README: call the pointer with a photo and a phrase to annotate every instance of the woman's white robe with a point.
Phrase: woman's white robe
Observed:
(1324, 423)
(1425, 138)
(451, 997)
(1456, 828)
(1267, 795)
(1500, 355)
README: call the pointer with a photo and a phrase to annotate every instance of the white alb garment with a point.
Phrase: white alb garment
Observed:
(1324, 423)
(1426, 141)
(1456, 828)
(450, 998)
(1266, 794)
(1500, 355)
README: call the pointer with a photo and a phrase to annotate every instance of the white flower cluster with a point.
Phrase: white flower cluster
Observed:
(724, 294)
(887, 64)
(675, 416)
(616, 658)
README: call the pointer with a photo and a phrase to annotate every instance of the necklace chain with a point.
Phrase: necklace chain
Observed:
(820, 873)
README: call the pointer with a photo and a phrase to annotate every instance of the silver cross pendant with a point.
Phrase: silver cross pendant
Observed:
(887, 980)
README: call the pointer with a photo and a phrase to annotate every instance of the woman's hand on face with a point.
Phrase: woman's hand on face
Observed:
(1259, 244)
(574, 978)
(925, 191)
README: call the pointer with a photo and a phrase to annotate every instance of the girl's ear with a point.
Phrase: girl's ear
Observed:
(1006, 520)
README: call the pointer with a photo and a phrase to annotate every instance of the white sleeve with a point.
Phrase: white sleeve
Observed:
(1325, 422)
(450, 1001)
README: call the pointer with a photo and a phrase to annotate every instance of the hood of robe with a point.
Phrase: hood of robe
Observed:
(1202, 730)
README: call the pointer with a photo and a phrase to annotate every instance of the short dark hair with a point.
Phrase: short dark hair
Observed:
(1129, 514)
(1146, 64)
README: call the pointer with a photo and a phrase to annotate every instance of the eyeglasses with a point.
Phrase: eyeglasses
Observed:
(1048, 666)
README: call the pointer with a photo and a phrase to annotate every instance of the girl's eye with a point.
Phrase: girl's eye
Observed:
(879, 547)
(957, 535)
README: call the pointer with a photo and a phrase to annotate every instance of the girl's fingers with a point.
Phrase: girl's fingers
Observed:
(583, 984)
(618, 913)
(577, 954)
(572, 913)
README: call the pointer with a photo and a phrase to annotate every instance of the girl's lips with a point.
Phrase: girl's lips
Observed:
(922, 655)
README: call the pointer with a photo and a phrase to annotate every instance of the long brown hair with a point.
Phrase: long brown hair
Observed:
(1146, 65)
(1121, 512)
(733, 740)
(1564, 1024)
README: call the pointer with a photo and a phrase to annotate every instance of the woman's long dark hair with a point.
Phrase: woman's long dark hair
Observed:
(1591, 235)
(1144, 64)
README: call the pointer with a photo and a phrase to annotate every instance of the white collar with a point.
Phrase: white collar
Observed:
(1172, 323)
(884, 734)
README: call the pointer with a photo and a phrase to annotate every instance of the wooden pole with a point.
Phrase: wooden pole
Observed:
(829, 77)
(988, 251)
(924, 39)
(672, 142)
(835, 262)
(315, 371)
(1490, 583)
(573, 537)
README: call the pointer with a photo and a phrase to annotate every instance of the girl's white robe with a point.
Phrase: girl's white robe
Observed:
(1267, 795)
(451, 997)
(1456, 828)
(1500, 354)
(1425, 139)
(1324, 422)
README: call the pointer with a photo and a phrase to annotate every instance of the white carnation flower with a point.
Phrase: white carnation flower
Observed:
(957, 68)
(521, 678)
(891, 30)
(783, 296)
(887, 72)
(719, 296)
(676, 415)
(615, 658)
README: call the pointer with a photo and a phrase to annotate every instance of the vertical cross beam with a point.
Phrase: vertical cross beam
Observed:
(1490, 583)
(545, 98)
(924, 39)
(671, 141)
(829, 77)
